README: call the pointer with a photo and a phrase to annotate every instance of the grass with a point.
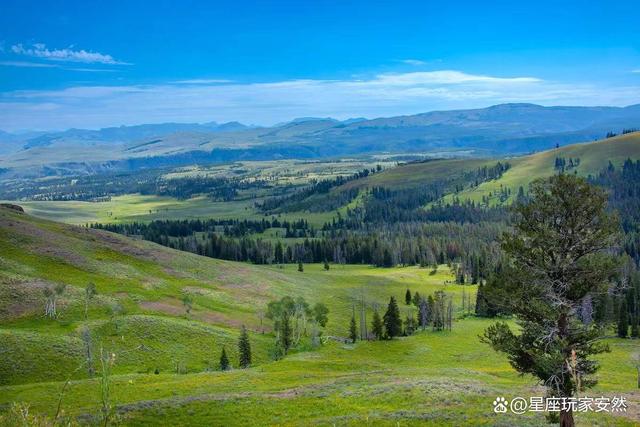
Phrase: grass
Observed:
(431, 378)
(140, 289)
(594, 157)
(136, 207)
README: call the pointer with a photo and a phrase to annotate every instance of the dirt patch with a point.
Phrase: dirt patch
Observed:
(633, 406)
(217, 318)
(175, 308)
(166, 307)
(21, 298)
(131, 247)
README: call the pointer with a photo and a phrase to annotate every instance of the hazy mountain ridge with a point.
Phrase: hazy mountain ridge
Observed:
(499, 129)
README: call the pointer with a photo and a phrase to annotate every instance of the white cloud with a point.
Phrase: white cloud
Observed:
(27, 64)
(636, 71)
(272, 102)
(203, 81)
(41, 51)
(415, 62)
(447, 77)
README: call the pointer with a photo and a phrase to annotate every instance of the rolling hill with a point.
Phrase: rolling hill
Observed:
(165, 360)
(593, 157)
(140, 288)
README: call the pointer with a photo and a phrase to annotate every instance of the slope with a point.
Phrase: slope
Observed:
(139, 312)
(592, 158)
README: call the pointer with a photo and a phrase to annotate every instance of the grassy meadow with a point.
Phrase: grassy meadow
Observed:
(166, 359)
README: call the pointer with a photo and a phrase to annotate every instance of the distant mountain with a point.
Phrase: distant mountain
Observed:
(129, 133)
(354, 120)
(497, 130)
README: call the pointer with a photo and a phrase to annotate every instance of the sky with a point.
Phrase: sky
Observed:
(96, 64)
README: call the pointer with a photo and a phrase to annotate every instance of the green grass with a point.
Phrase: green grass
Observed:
(432, 378)
(594, 157)
(136, 207)
(146, 283)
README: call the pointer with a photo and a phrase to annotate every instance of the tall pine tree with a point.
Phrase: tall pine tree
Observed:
(392, 320)
(623, 320)
(244, 349)
(558, 252)
(224, 360)
(376, 326)
(353, 331)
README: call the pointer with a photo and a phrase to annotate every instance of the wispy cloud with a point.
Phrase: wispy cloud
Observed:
(202, 81)
(446, 77)
(415, 62)
(637, 70)
(266, 103)
(27, 64)
(40, 50)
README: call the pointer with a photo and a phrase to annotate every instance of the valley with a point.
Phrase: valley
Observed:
(354, 232)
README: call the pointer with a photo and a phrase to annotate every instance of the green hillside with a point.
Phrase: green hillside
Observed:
(165, 360)
(593, 157)
(139, 303)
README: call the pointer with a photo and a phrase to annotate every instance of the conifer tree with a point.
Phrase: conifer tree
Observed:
(353, 331)
(623, 320)
(326, 265)
(416, 299)
(407, 297)
(392, 320)
(244, 349)
(376, 326)
(481, 302)
(558, 252)
(300, 267)
(224, 360)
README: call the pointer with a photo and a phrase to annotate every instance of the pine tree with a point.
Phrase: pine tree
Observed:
(623, 320)
(244, 349)
(376, 326)
(416, 299)
(387, 259)
(224, 360)
(559, 250)
(635, 327)
(326, 265)
(391, 319)
(481, 302)
(353, 331)
(407, 297)
(300, 267)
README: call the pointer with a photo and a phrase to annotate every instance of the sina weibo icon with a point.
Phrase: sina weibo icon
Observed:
(500, 405)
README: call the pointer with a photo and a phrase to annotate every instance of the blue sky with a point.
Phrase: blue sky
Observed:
(95, 64)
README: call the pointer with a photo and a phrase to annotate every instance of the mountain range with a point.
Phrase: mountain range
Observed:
(497, 130)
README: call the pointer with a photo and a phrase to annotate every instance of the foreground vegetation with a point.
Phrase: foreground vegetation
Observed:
(432, 378)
